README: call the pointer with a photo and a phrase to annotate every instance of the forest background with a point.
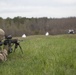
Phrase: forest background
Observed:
(37, 26)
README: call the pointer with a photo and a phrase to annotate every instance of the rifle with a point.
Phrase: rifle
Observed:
(9, 42)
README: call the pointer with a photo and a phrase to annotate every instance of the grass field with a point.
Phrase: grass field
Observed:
(51, 55)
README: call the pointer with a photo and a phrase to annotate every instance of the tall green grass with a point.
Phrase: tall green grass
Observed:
(51, 55)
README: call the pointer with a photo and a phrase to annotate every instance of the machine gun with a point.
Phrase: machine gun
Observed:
(9, 42)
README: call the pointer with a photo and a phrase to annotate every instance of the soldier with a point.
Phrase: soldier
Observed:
(3, 52)
(2, 36)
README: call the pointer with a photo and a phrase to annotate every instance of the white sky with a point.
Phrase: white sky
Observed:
(37, 8)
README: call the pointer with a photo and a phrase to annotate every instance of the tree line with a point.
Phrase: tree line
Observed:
(37, 26)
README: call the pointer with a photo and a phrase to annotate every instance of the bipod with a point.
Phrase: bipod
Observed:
(16, 46)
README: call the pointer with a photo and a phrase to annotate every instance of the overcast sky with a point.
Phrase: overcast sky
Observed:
(37, 8)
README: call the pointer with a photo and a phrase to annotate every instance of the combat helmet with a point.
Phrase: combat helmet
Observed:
(2, 34)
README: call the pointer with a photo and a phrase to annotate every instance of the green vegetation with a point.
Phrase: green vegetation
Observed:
(51, 55)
